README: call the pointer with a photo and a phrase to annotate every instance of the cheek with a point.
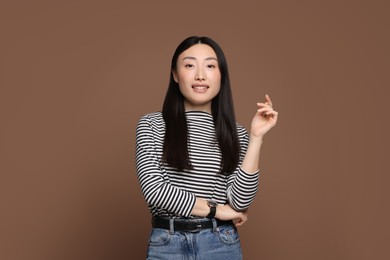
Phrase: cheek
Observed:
(218, 83)
(184, 90)
(183, 78)
(216, 77)
(217, 80)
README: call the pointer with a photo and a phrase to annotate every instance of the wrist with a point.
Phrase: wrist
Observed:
(219, 212)
(213, 208)
(258, 139)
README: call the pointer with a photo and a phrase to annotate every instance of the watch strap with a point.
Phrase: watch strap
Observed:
(213, 210)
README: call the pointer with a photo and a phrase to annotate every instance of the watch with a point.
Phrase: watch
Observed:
(213, 208)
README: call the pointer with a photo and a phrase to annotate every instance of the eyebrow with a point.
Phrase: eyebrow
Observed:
(193, 58)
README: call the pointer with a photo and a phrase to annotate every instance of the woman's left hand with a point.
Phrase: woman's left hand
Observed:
(264, 119)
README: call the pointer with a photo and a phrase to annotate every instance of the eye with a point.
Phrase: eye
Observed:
(189, 65)
(211, 66)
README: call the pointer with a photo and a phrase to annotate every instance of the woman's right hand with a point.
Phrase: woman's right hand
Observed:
(226, 212)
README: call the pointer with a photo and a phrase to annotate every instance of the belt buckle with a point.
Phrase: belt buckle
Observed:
(198, 228)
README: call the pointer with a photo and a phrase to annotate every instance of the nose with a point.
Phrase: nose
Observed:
(200, 75)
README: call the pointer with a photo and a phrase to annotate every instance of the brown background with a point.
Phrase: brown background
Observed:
(77, 75)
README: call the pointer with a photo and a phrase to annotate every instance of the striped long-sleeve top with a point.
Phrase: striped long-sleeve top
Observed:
(170, 192)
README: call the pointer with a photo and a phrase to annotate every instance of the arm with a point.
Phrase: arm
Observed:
(223, 212)
(156, 190)
(245, 182)
(242, 185)
(264, 119)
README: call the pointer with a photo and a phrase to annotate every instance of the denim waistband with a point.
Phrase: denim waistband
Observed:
(187, 224)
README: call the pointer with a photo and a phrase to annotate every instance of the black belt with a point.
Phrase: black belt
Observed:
(187, 225)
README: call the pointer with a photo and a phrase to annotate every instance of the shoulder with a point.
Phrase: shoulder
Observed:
(152, 121)
(151, 118)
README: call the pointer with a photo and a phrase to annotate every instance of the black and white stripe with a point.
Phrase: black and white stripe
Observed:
(170, 192)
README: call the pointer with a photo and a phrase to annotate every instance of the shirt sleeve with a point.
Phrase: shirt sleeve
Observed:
(242, 186)
(155, 186)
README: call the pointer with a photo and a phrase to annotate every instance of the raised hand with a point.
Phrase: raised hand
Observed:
(264, 119)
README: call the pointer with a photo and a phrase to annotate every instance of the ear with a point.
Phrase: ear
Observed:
(175, 77)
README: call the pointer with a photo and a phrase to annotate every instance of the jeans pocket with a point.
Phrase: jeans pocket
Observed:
(159, 237)
(228, 234)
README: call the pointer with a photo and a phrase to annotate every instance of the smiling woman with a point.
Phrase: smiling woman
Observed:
(198, 168)
(198, 76)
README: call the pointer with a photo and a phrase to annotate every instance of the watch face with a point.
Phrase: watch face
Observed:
(212, 203)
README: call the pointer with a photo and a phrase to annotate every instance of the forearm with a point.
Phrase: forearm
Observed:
(250, 164)
(243, 185)
(223, 212)
(264, 119)
(200, 209)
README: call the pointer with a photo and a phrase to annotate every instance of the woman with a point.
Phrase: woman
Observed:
(198, 168)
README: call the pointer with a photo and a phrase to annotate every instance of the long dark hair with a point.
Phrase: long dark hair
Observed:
(175, 150)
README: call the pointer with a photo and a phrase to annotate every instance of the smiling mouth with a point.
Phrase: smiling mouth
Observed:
(200, 87)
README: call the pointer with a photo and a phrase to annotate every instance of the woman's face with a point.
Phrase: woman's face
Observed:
(198, 76)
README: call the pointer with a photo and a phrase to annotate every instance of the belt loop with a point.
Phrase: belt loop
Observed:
(214, 224)
(171, 226)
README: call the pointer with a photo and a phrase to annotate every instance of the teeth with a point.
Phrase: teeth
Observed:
(200, 87)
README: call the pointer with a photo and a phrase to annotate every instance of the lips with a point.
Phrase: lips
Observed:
(200, 88)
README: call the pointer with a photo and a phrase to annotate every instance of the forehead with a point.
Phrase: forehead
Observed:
(199, 52)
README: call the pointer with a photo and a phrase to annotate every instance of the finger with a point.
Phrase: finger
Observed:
(275, 117)
(264, 110)
(267, 97)
(267, 110)
(272, 118)
(240, 222)
(264, 105)
(271, 114)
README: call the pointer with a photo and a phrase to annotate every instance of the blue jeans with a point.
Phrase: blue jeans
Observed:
(220, 243)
